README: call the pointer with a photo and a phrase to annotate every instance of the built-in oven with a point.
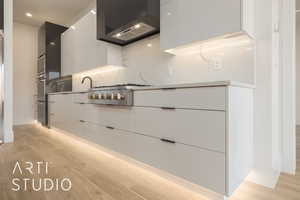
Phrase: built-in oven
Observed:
(41, 91)
(41, 87)
(41, 65)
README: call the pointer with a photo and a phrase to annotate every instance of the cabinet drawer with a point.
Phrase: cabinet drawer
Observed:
(119, 117)
(211, 98)
(202, 128)
(80, 98)
(199, 166)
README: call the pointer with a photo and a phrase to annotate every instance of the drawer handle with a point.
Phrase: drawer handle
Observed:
(81, 103)
(168, 141)
(110, 127)
(82, 121)
(168, 108)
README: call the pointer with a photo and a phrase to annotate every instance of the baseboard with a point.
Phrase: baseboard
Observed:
(267, 178)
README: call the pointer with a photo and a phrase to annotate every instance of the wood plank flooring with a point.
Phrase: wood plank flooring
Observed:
(97, 175)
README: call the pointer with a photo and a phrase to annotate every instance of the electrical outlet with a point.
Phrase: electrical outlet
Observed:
(217, 64)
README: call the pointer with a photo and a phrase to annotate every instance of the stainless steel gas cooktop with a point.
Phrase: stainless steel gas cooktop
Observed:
(120, 95)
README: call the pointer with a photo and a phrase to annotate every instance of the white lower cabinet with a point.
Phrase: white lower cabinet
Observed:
(203, 135)
(210, 98)
(196, 165)
(201, 128)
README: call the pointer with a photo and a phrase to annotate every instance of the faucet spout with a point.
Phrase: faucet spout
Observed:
(90, 79)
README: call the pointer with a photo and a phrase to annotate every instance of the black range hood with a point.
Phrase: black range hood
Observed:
(125, 21)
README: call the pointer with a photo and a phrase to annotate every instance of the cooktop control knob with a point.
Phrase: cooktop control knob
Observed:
(113, 96)
(96, 96)
(108, 96)
(120, 96)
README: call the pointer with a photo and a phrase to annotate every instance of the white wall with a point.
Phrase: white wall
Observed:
(149, 65)
(25, 65)
(267, 150)
(8, 135)
(298, 70)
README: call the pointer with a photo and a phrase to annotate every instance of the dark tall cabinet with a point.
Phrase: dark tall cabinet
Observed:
(49, 64)
(1, 14)
(49, 46)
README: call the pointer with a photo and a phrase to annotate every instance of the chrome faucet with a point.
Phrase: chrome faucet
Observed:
(91, 81)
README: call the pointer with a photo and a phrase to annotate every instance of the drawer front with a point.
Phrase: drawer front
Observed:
(80, 98)
(201, 128)
(211, 98)
(199, 166)
(119, 117)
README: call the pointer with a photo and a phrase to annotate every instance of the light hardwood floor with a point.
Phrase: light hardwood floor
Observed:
(99, 176)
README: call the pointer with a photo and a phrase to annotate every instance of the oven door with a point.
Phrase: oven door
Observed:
(41, 65)
(41, 89)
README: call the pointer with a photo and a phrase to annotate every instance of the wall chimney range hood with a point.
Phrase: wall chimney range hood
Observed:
(125, 21)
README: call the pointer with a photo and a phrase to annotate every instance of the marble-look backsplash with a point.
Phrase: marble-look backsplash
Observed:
(145, 63)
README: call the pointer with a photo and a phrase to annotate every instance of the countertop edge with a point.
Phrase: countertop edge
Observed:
(195, 85)
(176, 86)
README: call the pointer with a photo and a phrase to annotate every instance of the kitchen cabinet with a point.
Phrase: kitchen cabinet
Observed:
(189, 98)
(186, 22)
(200, 134)
(81, 51)
(49, 50)
(197, 165)
(60, 111)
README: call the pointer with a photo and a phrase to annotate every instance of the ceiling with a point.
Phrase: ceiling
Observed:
(57, 11)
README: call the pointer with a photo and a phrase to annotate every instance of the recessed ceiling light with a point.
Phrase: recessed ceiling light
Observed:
(93, 12)
(149, 45)
(118, 35)
(137, 26)
(28, 14)
(73, 27)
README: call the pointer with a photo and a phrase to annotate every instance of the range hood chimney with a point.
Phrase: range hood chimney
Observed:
(126, 21)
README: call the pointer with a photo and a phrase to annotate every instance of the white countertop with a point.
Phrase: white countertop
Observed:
(184, 85)
(194, 85)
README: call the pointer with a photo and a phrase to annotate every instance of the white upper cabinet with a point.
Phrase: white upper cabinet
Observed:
(186, 22)
(67, 52)
(81, 51)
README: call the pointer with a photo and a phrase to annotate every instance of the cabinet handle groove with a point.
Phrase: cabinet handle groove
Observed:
(82, 121)
(110, 127)
(168, 108)
(168, 141)
(168, 88)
